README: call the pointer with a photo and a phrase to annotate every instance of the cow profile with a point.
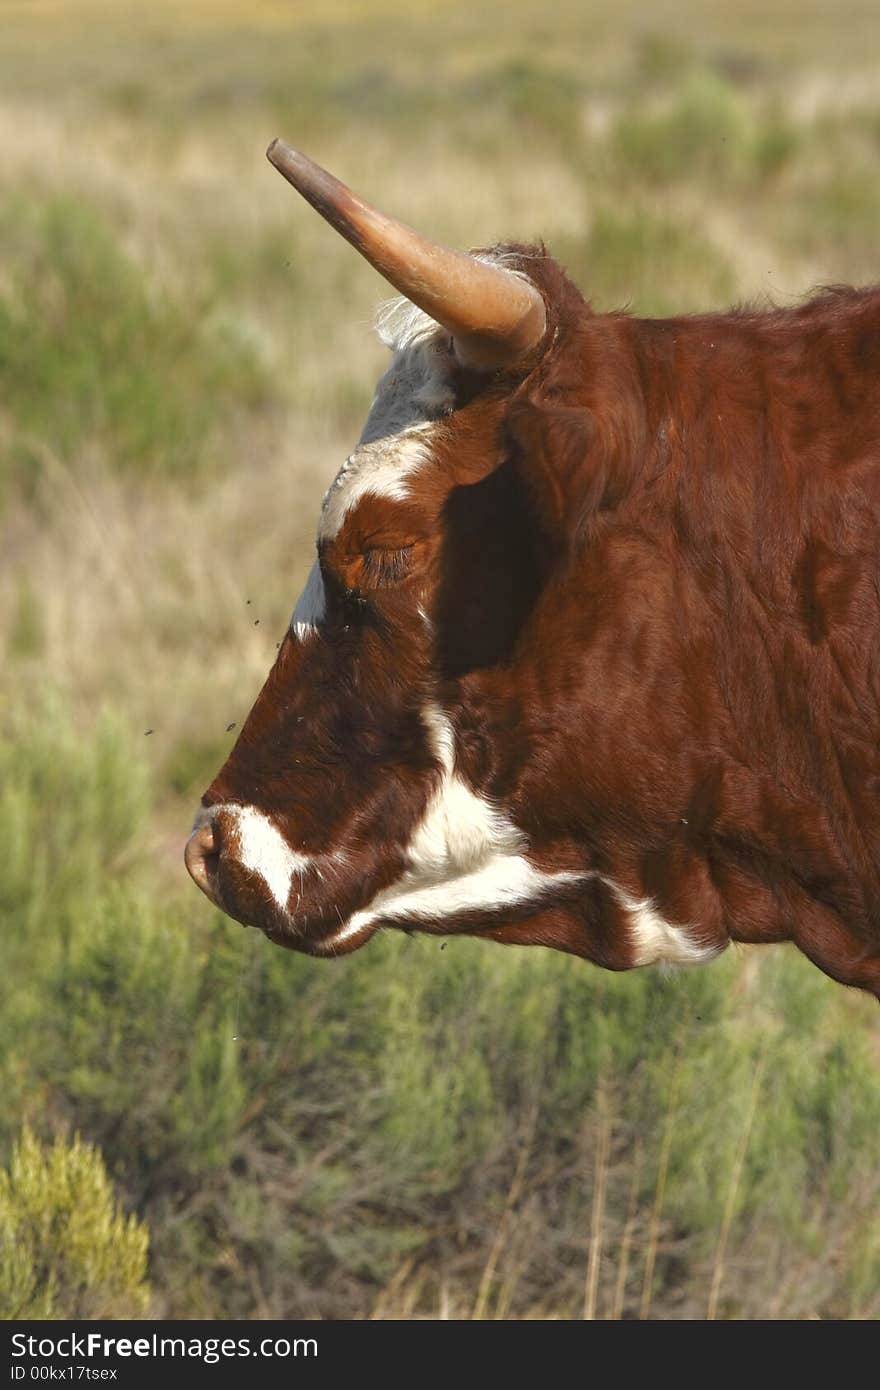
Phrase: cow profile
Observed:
(589, 656)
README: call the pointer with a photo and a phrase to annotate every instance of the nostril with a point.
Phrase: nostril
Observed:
(202, 856)
(211, 851)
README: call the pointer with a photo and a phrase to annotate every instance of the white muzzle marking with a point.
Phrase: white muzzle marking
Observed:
(258, 846)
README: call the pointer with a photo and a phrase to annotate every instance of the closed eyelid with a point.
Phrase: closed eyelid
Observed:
(380, 540)
(380, 564)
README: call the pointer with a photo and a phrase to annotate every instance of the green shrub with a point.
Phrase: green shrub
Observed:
(655, 264)
(314, 1128)
(66, 1249)
(539, 100)
(706, 132)
(95, 357)
(73, 802)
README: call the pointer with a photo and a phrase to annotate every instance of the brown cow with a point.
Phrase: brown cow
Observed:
(590, 653)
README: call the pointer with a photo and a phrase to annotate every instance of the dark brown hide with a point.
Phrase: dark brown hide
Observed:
(650, 560)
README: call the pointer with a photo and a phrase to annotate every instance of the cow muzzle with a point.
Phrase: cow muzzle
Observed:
(242, 864)
(202, 860)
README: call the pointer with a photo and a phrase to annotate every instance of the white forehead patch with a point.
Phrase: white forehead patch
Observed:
(311, 605)
(381, 468)
(412, 396)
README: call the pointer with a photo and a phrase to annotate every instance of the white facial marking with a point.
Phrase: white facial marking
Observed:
(262, 849)
(381, 468)
(465, 855)
(655, 939)
(503, 881)
(311, 606)
(412, 395)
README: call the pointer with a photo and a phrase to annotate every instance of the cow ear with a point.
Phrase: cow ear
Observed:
(554, 448)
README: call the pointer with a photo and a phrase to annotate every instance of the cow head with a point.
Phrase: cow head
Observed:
(399, 766)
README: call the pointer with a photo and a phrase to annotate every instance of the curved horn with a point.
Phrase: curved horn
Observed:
(494, 316)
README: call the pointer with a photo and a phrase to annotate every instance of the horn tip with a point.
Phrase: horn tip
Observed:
(285, 157)
(293, 164)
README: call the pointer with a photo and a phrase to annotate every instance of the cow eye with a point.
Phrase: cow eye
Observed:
(380, 567)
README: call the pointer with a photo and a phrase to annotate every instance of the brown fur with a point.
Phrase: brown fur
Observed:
(651, 561)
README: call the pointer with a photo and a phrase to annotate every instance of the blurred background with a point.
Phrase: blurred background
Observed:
(195, 1123)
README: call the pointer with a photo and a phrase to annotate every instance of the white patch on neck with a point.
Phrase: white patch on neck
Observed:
(263, 849)
(311, 606)
(654, 939)
(413, 394)
(465, 855)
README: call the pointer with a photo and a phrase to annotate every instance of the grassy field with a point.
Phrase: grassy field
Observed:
(185, 357)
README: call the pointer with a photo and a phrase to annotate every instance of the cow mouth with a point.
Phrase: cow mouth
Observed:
(242, 895)
(284, 930)
(248, 896)
(341, 942)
